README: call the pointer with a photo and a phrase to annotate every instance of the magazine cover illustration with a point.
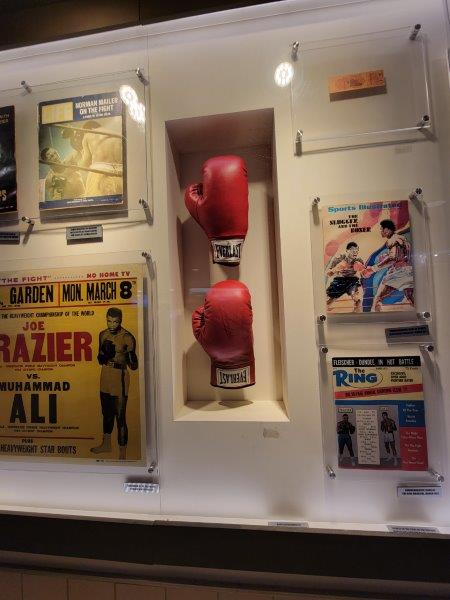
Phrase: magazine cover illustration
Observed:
(380, 415)
(82, 152)
(8, 185)
(71, 366)
(368, 257)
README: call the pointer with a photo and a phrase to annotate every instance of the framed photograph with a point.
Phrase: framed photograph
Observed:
(380, 414)
(367, 257)
(82, 152)
(71, 365)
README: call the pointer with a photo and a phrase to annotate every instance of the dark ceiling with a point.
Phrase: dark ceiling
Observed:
(27, 22)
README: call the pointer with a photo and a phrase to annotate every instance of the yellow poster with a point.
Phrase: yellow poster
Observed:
(71, 364)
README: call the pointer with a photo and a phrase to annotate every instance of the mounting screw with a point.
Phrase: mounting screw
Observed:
(143, 203)
(321, 318)
(324, 349)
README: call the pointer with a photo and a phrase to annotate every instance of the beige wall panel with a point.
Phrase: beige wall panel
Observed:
(44, 587)
(236, 595)
(10, 585)
(139, 592)
(190, 593)
(84, 589)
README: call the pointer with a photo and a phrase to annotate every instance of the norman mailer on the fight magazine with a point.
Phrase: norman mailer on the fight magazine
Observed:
(367, 254)
(82, 151)
(380, 413)
(71, 365)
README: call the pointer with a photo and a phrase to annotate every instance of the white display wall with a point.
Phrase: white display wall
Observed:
(260, 459)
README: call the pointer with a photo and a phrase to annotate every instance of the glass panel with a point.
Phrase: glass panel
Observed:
(382, 91)
(90, 154)
(56, 333)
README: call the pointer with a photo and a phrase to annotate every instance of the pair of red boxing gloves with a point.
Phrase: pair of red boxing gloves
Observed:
(223, 324)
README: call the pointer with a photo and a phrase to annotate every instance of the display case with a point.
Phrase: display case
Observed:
(360, 130)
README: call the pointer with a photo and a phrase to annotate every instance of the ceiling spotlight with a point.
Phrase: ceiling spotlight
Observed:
(284, 74)
(128, 94)
(137, 112)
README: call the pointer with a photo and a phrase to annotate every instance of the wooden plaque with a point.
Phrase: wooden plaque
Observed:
(356, 85)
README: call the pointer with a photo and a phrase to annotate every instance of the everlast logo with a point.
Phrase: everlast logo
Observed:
(233, 377)
(227, 250)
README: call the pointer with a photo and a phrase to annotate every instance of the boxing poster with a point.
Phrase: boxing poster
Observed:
(82, 152)
(380, 415)
(367, 252)
(71, 364)
(8, 184)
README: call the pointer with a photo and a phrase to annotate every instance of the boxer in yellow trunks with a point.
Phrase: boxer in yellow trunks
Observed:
(117, 354)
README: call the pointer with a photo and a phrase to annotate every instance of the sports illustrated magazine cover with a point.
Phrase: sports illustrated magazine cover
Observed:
(8, 185)
(368, 257)
(82, 152)
(71, 367)
(380, 416)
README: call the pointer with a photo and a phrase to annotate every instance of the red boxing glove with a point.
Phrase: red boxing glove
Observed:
(223, 326)
(220, 206)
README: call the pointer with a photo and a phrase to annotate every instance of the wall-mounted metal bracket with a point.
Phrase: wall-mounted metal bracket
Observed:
(424, 121)
(298, 143)
(323, 349)
(321, 319)
(294, 50)
(28, 220)
(25, 86)
(415, 32)
(427, 347)
(146, 207)
(416, 194)
(330, 472)
(153, 468)
(140, 75)
(425, 314)
(150, 264)
(435, 475)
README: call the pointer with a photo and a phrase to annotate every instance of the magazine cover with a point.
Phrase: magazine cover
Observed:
(82, 152)
(368, 257)
(380, 416)
(71, 365)
(8, 185)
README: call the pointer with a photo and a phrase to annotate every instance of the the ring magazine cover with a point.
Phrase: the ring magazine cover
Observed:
(380, 414)
(71, 364)
(367, 253)
(8, 184)
(82, 152)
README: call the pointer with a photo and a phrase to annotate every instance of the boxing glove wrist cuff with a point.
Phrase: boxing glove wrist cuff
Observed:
(227, 252)
(238, 377)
